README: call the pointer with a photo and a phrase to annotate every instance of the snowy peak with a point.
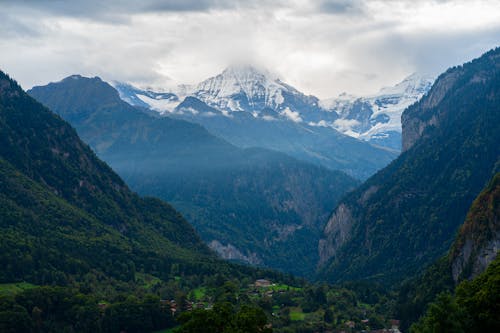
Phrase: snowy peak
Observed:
(377, 118)
(413, 85)
(242, 88)
(246, 90)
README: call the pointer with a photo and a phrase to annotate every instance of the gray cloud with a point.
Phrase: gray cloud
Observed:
(322, 47)
(109, 10)
(343, 7)
(11, 27)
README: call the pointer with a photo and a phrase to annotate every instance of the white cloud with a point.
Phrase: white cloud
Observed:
(344, 125)
(322, 47)
(292, 115)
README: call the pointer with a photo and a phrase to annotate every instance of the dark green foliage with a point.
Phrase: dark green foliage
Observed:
(415, 294)
(480, 228)
(58, 309)
(474, 308)
(266, 205)
(68, 219)
(223, 318)
(443, 316)
(407, 215)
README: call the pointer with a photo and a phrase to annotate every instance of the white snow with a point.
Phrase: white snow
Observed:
(229, 92)
(390, 101)
(160, 105)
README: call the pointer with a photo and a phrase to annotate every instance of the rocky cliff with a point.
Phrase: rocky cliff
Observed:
(478, 240)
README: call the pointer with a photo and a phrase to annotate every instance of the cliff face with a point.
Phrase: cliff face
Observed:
(478, 240)
(406, 216)
(425, 114)
(337, 232)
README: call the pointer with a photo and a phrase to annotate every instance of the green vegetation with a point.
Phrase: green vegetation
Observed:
(479, 229)
(118, 262)
(267, 205)
(407, 215)
(7, 289)
(297, 314)
(473, 308)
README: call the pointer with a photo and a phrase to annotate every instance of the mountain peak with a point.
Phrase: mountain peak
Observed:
(414, 84)
(245, 72)
(242, 87)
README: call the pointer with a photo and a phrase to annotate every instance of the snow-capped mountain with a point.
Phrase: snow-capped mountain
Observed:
(147, 98)
(377, 118)
(254, 108)
(245, 88)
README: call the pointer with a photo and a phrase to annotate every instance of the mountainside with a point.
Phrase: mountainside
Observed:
(474, 248)
(478, 240)
(252, 108)
(66, 214)
(252, 205)
(406, 216)
(377, 119)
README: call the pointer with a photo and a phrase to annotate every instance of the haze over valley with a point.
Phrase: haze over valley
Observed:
(262, 166)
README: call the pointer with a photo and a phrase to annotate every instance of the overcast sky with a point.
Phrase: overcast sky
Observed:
(320, 47)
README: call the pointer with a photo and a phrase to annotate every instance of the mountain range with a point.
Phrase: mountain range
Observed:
(424, 224)
(249, 107)
(253, 205)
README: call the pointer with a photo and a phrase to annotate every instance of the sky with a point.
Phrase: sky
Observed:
(321, 47)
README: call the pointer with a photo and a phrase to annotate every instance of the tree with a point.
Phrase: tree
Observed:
(443, 316)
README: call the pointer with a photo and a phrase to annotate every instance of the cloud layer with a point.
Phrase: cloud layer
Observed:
(321, 47)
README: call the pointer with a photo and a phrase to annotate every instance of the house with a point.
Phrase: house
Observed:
(394, 323)
(262, 283)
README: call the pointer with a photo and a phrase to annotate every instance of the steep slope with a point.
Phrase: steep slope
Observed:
(66, 214)
(406, 216)
(253, 205)
(252, 108)
(377, 119)
(474, 248)
(478, 240)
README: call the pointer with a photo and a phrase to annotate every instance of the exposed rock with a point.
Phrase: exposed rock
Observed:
(230, 252)
(478, 241)
(336, 233)
(415, 120)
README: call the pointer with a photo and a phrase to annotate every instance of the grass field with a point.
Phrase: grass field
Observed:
(297, 315)
(14, 288)
(199, 293)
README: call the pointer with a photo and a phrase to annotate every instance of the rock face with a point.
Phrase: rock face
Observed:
(478, 241)
(405, 217)
(230, 252)
(337, 232)
(415, 120)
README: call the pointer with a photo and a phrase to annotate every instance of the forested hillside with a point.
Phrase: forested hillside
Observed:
(407, 215)
(253, 205)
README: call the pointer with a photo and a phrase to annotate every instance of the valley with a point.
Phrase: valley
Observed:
(249, 167)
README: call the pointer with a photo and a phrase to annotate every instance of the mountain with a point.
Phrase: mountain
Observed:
(251, 205)
(377, 119)
(478, 240)
(68, 219)
(473, 250)
(406, 216)
(252, 108)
